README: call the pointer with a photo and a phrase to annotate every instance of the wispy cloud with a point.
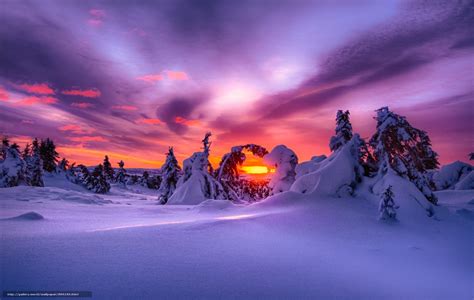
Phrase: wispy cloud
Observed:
(36, 88)
(90, 93)
(34, 100)
(125, 107)
(82, 105)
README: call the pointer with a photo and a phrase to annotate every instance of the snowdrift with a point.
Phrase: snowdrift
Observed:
(450, 175)
(333, 176)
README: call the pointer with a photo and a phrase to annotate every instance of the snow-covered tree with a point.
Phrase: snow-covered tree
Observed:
(387, 207)
(169, 177)
(343, 130)
(108, 170)
(97, 182)
(284, 160)
(4, 147)
(471, 156)
(405, 149)
(34, 166)
(228, 173)
(12, 168)
(26, 151)
(121, 174)
(49, 155)
(197, 184)
(63, 165)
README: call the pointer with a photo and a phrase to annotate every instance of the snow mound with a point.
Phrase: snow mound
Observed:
(211, 205)
(285, 160)
(335, 175)
(29, 216)
(449, 175)
(466, 183)
(413, 205)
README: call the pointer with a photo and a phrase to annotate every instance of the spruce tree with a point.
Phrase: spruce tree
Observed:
(108, 170)
(97, 182)
(169, 177)
(49, 155)
(405, 149)
(387, 205)
(4, 148)
(26, 151)
(121, 174)
(12, 168)
(35, 166)
(343, 130)
(63, 165)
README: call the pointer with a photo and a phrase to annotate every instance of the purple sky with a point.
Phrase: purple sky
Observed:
(129, 78)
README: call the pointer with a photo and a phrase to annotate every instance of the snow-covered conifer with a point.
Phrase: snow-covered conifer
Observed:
(121, 174)
(108, 170)
(26, 151)
(34, 166)
(12, 168)
(387, 207)
(405, 149)
(4, 147)
(63, 165)
(97, 182)
(49, 155)
(343, 130)
(169, 177)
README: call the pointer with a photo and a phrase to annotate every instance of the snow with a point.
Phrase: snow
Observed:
(332, 176)
(285, 161)
(449, 175)
(292, 245)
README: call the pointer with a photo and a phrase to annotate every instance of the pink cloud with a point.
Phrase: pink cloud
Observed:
(4, 96)
(27, 122)
(37, 88)
(76, 129)
(125, 107)
(151, 77)
(181, 120)
(33, 100)
(150, 121)
(177, 75)
(86, 138)
(82, 104)
(91, 93)
(96, 17)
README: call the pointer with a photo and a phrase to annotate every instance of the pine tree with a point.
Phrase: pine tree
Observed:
(169, 177)
(121, 174)
(108, 170)
(97, 182)
(35, 166)
(471, 156)
(387, 205)
(343, 130)
(5, 146)
(12, 168)
(405, 149)
(49, 155)
(63, 165)
(26, 151)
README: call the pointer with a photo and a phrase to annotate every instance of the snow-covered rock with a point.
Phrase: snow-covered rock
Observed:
(449, 175)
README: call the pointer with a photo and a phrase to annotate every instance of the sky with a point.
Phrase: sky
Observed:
(131, 78)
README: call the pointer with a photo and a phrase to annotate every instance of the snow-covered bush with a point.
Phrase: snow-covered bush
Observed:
(449, 175)
(387, 207)
(405, 149)
(96, 181)
(108, 169)
(169, 177)
(466, 183)
(284, 160)
(197, 184)
(12, 167)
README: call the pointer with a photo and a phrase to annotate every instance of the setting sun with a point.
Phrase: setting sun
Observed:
(255, 169)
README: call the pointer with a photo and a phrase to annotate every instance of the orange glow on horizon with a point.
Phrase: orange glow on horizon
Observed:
(255, 170)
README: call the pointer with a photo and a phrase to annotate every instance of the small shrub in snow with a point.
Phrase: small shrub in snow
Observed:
(120, 176)
(97, 182)
(387, 207)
